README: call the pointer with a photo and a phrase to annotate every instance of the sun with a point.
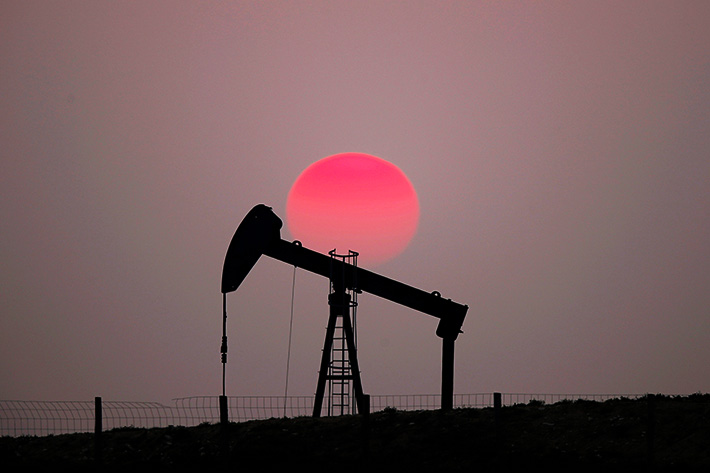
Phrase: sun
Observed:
(353, 201)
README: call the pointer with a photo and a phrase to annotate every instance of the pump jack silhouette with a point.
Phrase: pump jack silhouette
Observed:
(260, 234)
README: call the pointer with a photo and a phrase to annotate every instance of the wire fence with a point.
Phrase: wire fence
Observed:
(18, 418)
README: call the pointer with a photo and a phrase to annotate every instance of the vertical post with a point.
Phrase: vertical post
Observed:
(325, 356)
(223, 429)
(497, 405)
(98, 428)
(223, 410)
(362, 404)
(98, 418)
(447, 374)
(497, 425)
(365, 414)
(223, 348)
(650, 427)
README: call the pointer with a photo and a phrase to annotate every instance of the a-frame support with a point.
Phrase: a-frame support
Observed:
(339, 303)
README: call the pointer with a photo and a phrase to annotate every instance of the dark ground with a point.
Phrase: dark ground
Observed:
(655, 433)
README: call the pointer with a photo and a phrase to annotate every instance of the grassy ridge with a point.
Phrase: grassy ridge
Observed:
(656, 433)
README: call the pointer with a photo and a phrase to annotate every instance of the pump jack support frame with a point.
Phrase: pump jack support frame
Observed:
(259, 233)
(339, 309)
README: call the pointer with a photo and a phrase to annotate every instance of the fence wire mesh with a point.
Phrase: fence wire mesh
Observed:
(40, 418)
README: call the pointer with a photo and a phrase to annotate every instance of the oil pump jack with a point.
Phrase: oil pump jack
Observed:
(260, 234)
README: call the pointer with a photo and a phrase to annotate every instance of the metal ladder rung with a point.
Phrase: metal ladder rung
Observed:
(340, 375)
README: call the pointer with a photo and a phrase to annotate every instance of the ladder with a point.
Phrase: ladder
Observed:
(340, 370)
(339, 365)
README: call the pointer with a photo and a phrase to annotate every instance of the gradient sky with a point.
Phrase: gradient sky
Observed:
(560, 152)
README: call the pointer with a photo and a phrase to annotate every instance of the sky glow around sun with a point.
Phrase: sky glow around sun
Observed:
(353, 201)
(559, 153)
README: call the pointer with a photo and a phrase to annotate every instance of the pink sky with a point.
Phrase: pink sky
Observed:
(559, 150)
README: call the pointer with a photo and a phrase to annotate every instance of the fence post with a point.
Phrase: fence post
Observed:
(223, 410)
(366, 428)
(497, 427)
(98, 418)
(497, 404)
(650, 427)
(98, 428)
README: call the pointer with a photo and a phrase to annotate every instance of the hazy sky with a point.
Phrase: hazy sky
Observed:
(560, 152)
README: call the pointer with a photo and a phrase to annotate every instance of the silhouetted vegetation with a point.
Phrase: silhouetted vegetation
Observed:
(655, 433)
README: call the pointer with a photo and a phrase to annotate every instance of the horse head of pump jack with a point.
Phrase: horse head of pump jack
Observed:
(259, 229)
